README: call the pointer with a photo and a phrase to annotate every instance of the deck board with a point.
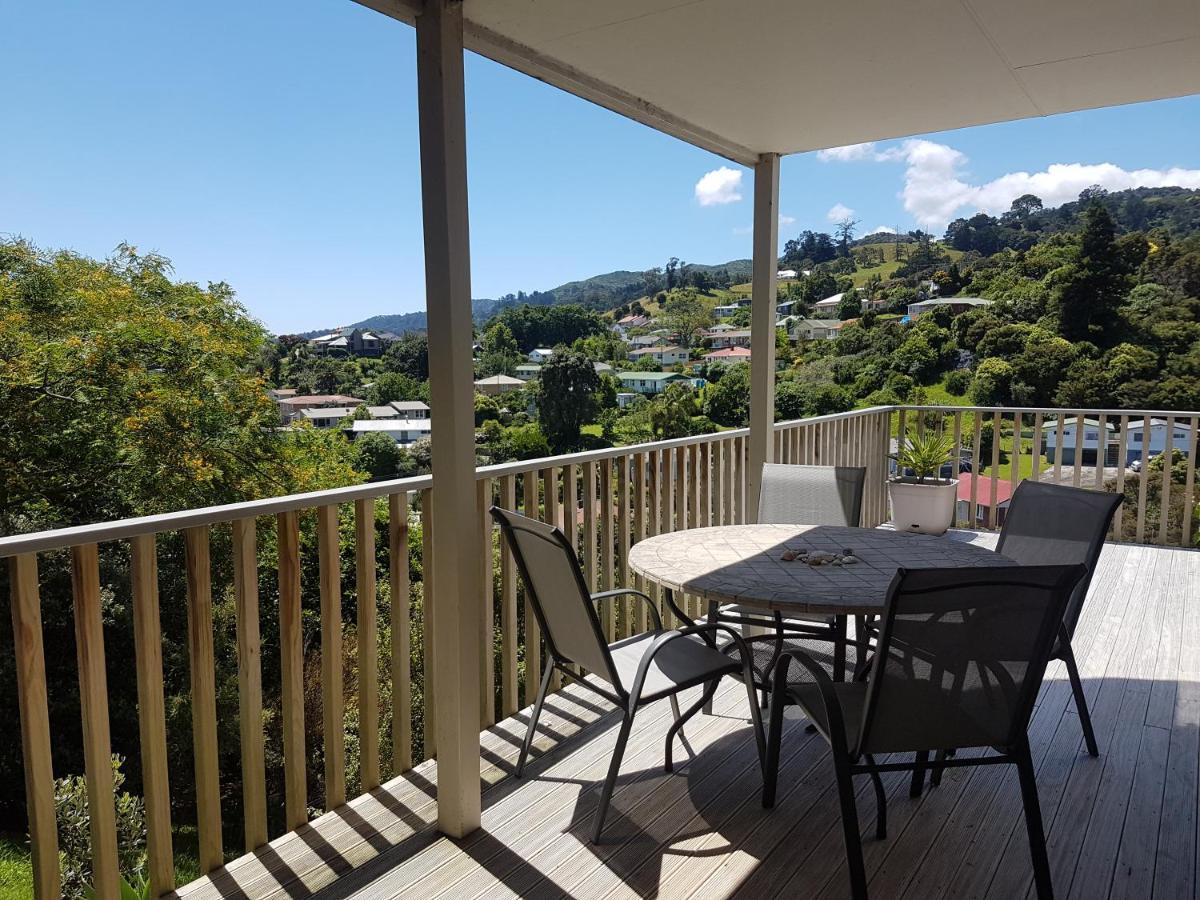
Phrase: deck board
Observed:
(1121, 826)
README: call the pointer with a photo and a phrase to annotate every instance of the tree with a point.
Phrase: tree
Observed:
(500, 354)
(686, 316)
(390, 386)
(378, 455)
(549, 326)
(845, 234)
(485, 408)
(567, 398)
(1089, 293)
(992, 383)
(849, 307)
(728, 401)
(409, 356)
(671, 412)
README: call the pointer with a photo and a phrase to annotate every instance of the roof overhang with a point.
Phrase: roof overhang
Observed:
(746, 77)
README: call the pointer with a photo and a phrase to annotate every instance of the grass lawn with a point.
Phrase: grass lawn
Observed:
(16, 870)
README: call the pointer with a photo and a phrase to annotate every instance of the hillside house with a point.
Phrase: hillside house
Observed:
(728, 356)
(349, 342)
(739, 337)
(541, 355)
(728, 309)
(326, 416)
(290, 407)
(1137, 443)
(801, 329)
(601, 367)
(647, 340)
(527, 371)
(498, 384)
(1086, 448)
(990, 510)
(648, 383)
(411, 409)
(829, 306)
(383, 412)
(404, 432)
(627, 323)
(664, 356)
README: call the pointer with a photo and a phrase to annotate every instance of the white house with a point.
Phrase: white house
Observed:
(411, 409)
(664, 356)
(1136, 440)
(384, 412)
(540, 355)
(326, 416)
(403, 431)
(728, 356)
(739, 337)
(813, 329)
(498, 384)
(625, 398)
(829, 306)
(1086, 447)
(956, 305)
(527, 371)
(647, 382)
(786, 273)
(627, 323)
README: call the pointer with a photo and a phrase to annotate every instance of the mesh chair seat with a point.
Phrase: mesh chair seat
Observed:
(764, 653)
(680, 663)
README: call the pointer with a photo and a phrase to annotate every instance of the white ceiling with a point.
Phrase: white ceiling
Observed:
(744, 77)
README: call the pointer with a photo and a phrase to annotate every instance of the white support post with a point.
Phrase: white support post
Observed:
(762, 324)
(456, 639)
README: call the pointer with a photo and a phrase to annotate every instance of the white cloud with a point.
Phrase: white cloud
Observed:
(935, 190)
(884, 229)
(849, 153)
(839, 212)
(786, 220)
(719, 186)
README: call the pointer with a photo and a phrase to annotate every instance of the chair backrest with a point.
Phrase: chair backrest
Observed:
(557, 593)
(1052, 524)
(811, 495)
(961, 656)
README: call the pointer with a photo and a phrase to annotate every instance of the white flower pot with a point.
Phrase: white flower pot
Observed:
(924, 508)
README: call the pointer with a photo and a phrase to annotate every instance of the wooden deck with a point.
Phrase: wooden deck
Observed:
(1123, 825)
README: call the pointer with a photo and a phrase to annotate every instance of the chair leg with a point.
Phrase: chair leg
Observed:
(1033, 823)
(918, 775)
(710, 688)
(533, 719)
(713, 618)
(880, 801)
(613, 768)
(771, 758)
(1085, 718)
(854, 857)
(935, 774)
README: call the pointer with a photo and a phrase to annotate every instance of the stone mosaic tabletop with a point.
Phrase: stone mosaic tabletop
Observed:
(743, 564)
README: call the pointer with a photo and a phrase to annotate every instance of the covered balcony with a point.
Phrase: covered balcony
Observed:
(421, 802)
(1121, 824)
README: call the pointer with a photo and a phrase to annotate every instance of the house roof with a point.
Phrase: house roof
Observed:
(391, 425)
(983, 490)
(994, 62)
(317, 399)
(383, 412)
(528, 366)
(1156, 423)
(648, 376)
(729, 353)
(403, 405)
(651, 351)
(500, 379)
(953, 301)
(328, 412)
(832, 300)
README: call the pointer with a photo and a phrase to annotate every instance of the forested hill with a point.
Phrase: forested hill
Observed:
(600, 292)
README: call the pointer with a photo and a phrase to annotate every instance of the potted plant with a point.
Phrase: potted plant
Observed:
(923, 501)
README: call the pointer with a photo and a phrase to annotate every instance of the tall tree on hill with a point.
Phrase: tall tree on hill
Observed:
(500, 354)
(1089, 295)
(567, 398)
(673, 270)
(409, 356)
(686, 316)
(845, 234)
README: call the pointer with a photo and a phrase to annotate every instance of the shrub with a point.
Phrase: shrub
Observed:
(958, 382)
(75, 837)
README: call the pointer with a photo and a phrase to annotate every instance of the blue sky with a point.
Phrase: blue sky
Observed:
(273, 145)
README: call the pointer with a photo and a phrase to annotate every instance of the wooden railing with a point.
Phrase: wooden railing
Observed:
(605, 500)
(1159, 506)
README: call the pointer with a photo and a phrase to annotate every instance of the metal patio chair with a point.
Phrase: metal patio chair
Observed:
(1052, 524)
(959, 660)
(801, 495)
(638, 670)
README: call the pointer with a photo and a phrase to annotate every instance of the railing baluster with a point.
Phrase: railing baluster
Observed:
(533, 633)
(639, 531)
(976, 441)
(1080, 434)
(368, 643)
(508, 607)
(957, 457)
(249, 653)
(332, 703)
(204, 696)
(589, 526)
(152, 722)
(1122, 455)
(606, 545)
(401, 634)
(1014, 468)
(1059, 421)
(1164, 502)
(1143, 480)
(626, 624)
(487, 635)
(428, 612)
(30, 663)
(1101, 451)
(1038, 447)
(291, 671)
(993, 512)
(551, 516)
(1189, 482)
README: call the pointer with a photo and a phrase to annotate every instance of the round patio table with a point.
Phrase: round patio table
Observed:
(743, 565)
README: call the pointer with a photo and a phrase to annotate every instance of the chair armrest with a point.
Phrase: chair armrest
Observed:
(618, 592)
(664, 639)
(833, 707)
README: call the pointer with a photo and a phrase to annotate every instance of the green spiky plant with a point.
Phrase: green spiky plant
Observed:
(925, 453)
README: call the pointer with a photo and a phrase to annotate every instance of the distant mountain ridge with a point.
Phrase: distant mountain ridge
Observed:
(601, 292)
